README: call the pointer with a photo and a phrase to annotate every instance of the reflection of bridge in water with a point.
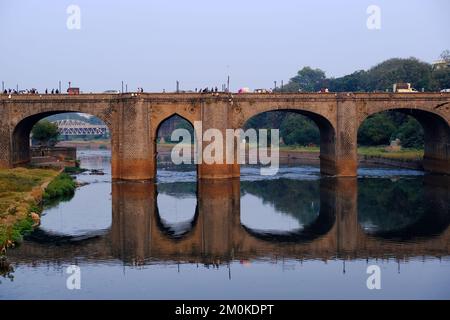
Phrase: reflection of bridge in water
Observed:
(216, 233)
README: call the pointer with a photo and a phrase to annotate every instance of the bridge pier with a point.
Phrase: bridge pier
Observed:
(216, 115)
(345, 160)
(338, 146)
(132, 149)
(436, 157)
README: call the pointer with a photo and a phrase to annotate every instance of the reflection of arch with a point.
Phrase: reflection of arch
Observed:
(218, 233)
(326, 129)
(43, 237)
(435, 219)
(436, 137)
(21, 130)
(176, 230)
(319, 227)
(426, 227)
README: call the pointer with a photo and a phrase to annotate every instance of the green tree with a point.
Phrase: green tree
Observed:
(299, 130)
(306, 80)
(441, 79)
(378, 78)
(376, 130)
(385, 74)
(45, 133)
(354, 82)
(410, 134)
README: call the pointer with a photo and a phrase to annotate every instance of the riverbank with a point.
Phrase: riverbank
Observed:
(101, 144)
(405, 158)
(292, 152)
(367, 156)
(404, 154)
(22, 192)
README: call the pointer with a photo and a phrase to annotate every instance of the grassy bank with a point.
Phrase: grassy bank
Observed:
(21, 196)
(100, 144)
(299, 149)
(405, 154)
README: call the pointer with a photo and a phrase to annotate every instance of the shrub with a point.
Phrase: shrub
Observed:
(62, 186)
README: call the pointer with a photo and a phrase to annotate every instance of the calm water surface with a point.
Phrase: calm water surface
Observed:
(292, 236)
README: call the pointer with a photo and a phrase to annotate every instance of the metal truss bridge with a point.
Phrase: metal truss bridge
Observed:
(80, 128)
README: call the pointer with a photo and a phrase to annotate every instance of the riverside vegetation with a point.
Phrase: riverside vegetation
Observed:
(23, 192)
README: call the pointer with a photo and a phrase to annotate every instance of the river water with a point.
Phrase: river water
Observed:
(292, 236)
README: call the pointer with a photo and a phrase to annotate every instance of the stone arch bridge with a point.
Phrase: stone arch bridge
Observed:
(133, 120)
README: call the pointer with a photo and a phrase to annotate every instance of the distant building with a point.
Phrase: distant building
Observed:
(403, 87)
(73, 91)
(440, 64)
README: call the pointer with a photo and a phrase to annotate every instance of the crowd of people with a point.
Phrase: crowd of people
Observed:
(140, 90)
(29, 91)
(207, 90)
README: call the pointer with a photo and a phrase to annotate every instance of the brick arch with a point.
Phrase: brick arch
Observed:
(156, 125)
(102, 110)
(326, 127)
(412, 111)
(318, 113)
(436, 134)
(22, 125)
(162, 113)
(154, 134)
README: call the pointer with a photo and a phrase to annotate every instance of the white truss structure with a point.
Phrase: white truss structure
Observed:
(80, 128)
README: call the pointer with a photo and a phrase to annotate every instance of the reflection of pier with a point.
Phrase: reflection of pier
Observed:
(216, 233)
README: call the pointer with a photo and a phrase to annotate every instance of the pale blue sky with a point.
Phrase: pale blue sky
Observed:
(151, 44)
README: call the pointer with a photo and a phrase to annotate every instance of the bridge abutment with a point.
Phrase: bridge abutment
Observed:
(5, 140)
